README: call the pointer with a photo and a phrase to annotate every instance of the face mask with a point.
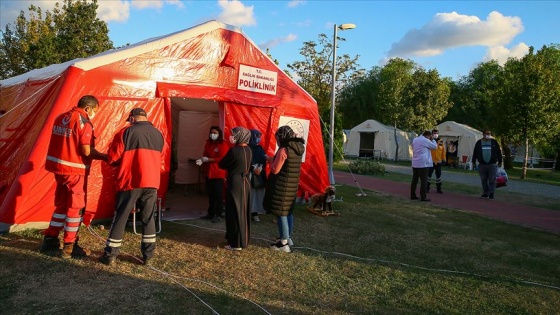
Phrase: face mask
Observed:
(487, 137)
(257, 140)
(436, 135)
(232, 139)
(214, 136)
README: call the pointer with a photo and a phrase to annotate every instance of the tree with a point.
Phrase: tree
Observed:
(529, 104)
(314, 74)
(359, 99)
(66, 33)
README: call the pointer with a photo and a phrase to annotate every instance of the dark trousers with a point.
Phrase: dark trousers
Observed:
(437, 169)
(487, 174)
(215, 189)
(422, 174)
(144, 200)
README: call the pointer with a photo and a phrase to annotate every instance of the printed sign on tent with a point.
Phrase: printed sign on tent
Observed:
(257, 80)
(299, 126)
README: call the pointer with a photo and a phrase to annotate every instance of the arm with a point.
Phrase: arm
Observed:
(88, 151)
(116, 148)
(278, 161)
(500, 157)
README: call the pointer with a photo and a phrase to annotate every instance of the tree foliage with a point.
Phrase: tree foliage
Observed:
(314, 74)
(68, 32)
(529, 106)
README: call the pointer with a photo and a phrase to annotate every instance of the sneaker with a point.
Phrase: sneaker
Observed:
(290, 242)
(256, 218)
(491, 197)
(413, 197)
(50, 245)
(228, 247)
(484, 196)
(281, 247)
(425, 199)
(108, 260)
(216, 219)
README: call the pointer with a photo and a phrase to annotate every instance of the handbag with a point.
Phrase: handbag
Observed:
(257, 181)
(501, 178)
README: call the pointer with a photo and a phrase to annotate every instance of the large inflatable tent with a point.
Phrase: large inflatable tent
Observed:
(459, 140)
(374, 139)
(186, 81)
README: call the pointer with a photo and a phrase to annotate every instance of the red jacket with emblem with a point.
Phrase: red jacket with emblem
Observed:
(70, 131)
(215, 150)
(137, 151)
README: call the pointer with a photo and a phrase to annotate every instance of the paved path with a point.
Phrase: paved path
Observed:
(548, 220)
(472, 179)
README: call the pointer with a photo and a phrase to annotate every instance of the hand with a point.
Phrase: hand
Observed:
(198, 162)
(204, 159)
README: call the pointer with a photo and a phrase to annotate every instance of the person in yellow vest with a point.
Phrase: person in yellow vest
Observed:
(438, 156)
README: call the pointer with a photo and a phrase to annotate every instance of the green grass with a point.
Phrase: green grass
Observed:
(382, 255)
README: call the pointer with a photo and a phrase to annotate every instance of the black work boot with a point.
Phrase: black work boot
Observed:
(108, 260)
(50, 245)
(439, 191)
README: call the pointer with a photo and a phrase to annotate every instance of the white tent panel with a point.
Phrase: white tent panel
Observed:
(384, 144)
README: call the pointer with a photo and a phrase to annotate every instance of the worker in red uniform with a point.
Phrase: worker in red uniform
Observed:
(71, 151)
(136, 150)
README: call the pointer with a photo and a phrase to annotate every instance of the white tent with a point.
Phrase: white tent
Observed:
(464, 137)
(374, 139)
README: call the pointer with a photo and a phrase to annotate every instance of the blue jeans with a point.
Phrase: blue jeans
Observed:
(285, 226)
(487, 174)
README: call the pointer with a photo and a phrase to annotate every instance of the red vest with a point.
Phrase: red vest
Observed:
(214, 150)
(70, 131)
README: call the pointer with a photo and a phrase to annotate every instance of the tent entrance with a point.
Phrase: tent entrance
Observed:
(367, 141)
(191, 120)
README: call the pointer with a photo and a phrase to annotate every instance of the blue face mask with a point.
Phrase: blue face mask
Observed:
(257, 141)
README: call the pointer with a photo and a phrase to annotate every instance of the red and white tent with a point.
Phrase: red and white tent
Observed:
(186, 81)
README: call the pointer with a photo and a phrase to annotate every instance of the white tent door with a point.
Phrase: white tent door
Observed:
(192, 133)
(367, 141)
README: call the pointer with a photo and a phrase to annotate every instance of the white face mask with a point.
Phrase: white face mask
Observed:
(214, 136)
(232, 139)
(91, 115)
(487, 137)
(436, 135)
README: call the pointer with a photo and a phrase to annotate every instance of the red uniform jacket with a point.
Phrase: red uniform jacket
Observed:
(70, 131)
(137, 151)
(214, 150)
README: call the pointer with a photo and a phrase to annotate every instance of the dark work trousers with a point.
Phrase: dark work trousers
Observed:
(437, 168)
(487, 174)
(144, 200)
(215, 189)
(422, 174)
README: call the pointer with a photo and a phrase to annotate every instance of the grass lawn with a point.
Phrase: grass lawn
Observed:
(382, 255)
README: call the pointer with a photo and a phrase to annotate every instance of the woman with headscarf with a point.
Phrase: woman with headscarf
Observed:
(282, 186)
(237, 163)
(258, 175)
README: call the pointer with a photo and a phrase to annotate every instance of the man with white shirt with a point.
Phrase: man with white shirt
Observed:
(421, 162)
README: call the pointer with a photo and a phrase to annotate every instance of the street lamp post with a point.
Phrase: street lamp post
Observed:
(333, 96)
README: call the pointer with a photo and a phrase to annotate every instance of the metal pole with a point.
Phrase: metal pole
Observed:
(331, 138)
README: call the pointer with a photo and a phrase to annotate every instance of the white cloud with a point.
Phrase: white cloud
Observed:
(236, 13)
(502, 54)
(276, 41)
(157, 4)
(295, 3)
(9, 10)
(113, 10)
(451, 30)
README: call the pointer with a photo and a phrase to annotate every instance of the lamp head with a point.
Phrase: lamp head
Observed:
(347, 26)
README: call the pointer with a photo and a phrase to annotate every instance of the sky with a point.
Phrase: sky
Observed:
(449, 36)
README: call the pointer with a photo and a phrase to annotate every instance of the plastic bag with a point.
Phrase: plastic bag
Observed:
(501, 177)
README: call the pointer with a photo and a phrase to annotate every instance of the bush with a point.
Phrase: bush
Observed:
(367, 167)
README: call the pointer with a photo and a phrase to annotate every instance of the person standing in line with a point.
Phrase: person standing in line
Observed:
(237, 162)
(70, 153)
(421, 162)
(214, 150)
(487, 152)
(137, 151)
(258, 175)
(283, 182)
(438, 156)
